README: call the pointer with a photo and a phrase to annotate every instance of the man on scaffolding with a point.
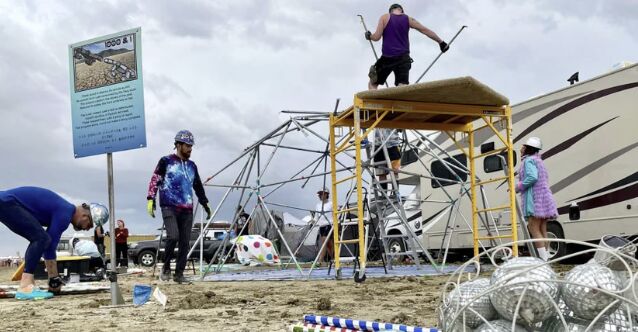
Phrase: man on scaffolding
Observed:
(394, 27)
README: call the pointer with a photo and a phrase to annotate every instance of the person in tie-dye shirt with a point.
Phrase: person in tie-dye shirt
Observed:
(175, 177)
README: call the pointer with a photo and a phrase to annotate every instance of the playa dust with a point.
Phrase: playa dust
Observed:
(229, 306)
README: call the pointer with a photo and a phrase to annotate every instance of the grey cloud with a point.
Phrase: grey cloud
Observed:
(197, 19)
(164, 87)
(225, 69)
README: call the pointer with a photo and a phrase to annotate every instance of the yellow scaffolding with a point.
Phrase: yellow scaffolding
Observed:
(451, 106)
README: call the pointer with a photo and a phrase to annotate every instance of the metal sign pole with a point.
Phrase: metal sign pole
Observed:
(116, 295)
(201, 244)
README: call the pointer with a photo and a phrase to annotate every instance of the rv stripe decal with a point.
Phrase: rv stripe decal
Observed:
(630, 179)
(433, 216)
(572, 105)
(560, 185)
(606, 199)
(568, 143)
(565, 145)
(482, 135)
(416, 215)
(518, 116)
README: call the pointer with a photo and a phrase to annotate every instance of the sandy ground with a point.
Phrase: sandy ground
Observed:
(229, 306)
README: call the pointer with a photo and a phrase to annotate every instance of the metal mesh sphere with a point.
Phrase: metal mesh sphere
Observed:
(500, 325)
(620, 321)
(574, 323)
(466, 293)
(554, 324)
(536, 304)
(616, 322)
(445, 321)
(585, 301)
(625, 280)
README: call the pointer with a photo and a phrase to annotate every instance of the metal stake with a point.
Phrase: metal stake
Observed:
(438, 56)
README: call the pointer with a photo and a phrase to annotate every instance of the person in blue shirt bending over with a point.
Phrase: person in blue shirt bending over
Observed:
(25, 211)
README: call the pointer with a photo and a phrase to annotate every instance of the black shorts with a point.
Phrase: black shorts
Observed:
(393, 153)
(324, 230)
(400, 65)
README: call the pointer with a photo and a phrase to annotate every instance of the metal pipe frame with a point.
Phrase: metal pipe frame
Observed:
(256, 189)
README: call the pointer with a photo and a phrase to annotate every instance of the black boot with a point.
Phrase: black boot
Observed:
(180, 279)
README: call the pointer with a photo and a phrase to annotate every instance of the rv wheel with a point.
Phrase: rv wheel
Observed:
(396, 245)
(555, 231)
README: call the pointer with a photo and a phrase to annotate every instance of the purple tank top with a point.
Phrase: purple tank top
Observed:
(395, 36)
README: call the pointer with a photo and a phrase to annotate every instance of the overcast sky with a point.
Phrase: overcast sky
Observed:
(225, 70)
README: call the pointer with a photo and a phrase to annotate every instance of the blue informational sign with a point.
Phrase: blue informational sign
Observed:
(107, 95)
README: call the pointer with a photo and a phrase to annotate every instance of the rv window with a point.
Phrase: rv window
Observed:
(494, 163)
(487, 147)
(440, 171)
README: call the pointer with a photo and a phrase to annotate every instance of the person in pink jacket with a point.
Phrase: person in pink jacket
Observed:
(537, 201)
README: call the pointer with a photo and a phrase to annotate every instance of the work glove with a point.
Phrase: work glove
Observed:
(368, 35)
(208, 213)
(444, 46)
(150, 207)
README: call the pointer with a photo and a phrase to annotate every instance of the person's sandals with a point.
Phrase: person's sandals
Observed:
(35, 294)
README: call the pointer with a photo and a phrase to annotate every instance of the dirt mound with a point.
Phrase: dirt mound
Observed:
(205, 300)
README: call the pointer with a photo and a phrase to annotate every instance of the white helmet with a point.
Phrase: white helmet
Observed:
(324, 190)
(534, 142)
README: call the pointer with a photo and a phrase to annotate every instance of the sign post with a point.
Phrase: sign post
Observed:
(107, 108)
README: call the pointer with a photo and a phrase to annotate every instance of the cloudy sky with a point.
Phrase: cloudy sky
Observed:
(225, 70)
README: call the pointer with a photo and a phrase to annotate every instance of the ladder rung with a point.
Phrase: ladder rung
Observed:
(502, 207)
(344, 147)
(495, 237)
(349, 223)
(491, 180)
(346, 179)
(351, 241)
(347, 210)
(348, 259)
(489, 153)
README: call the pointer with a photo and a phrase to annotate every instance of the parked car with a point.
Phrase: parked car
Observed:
(144, 253)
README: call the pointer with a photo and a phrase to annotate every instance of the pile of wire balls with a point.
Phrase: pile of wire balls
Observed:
(526, 294)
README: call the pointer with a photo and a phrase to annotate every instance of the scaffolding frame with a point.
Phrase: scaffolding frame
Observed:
(366, 114)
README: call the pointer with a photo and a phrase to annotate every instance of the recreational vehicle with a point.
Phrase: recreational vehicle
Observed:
(590, 139)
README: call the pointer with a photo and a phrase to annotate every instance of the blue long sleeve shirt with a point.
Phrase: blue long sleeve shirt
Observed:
(51, 210)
